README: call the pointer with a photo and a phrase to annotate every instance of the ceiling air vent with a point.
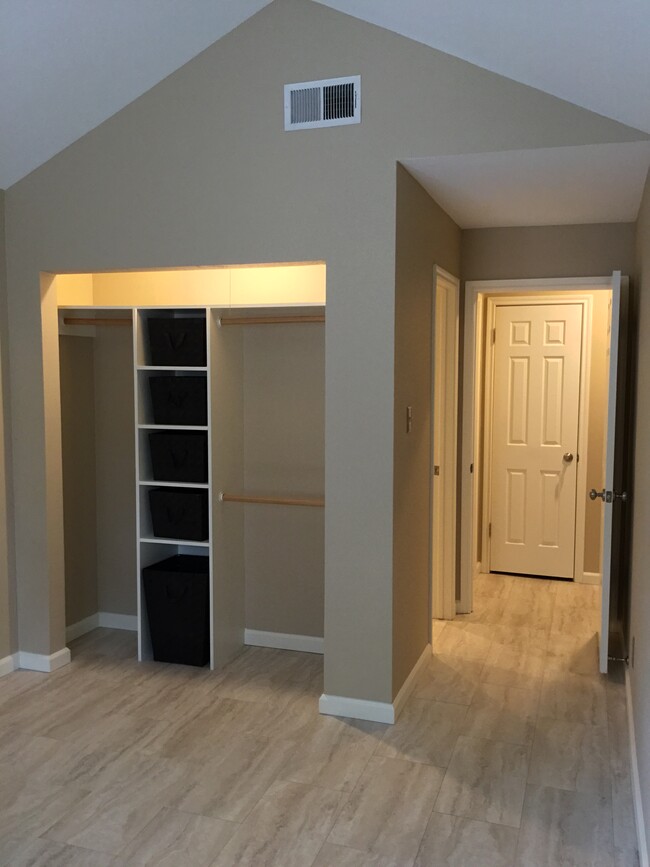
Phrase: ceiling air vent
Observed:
(331, 102)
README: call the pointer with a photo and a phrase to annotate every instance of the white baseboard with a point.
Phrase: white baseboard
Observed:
(42, 662)
(588, 578)
(81, 627)
(407, 687)
(101, 618)
(375, 711)
(8, 664)
(284, 641)
(644, 860)
(118, 621)
(357, 708)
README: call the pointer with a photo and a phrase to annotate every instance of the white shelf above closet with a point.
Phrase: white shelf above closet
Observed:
(186, 543)
(152, 483)
(203, 427)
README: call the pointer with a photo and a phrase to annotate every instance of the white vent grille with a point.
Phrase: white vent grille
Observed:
(331, 102)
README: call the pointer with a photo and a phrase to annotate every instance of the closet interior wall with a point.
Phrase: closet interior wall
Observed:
(98, 472)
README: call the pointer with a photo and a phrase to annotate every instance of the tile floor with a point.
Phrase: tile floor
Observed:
(511, 752)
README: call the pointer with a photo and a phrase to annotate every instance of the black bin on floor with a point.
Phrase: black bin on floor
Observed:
(179, 457)
(177, 599)
(181, 400)
(179, 513)
(177, 342)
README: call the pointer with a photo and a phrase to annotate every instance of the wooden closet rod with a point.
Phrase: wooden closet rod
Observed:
(74, 321)
(273, 501)
(274, 320)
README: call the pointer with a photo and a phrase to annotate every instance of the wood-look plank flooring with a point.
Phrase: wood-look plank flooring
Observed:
(512, 751)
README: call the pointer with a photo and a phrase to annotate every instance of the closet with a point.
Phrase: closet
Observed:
(255, 452)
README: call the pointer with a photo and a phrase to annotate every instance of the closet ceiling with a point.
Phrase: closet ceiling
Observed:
(68, 65)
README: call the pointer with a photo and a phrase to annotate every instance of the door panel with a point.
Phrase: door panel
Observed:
(535, 412)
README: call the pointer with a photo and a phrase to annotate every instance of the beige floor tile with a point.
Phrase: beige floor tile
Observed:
(529, 605)
(173, 839)
(509, 665)
(448, 678)
(491, 586)
(504, 713)
(526, 639)
(233, 778)
(488, 611)
(106, 820)
(565, 828)
(31, 810)
(573, 655)
(576, 622)
(333, 753)
(15, 852)
(569, 594)
(342, 856)
(485, 780)
(426, 731)
(288, 827)
(451, 841)
(388, 811)
(570, 755)
(465, 639)
(573, 698)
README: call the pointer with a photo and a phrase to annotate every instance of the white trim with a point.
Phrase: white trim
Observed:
(42, 662)
(443, 489)
(642, 842)
(407, 687)
(484, 380)
(118, 621)
(81, 627)
(284, 641)
(472, 351)
(8, 664)
(357, 708)
(589, 578)
(375, 711)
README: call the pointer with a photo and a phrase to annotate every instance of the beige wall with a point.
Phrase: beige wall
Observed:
(284, 453)
(640, 591)
(115, 471)
(548, 251)
(7, 589)
(425, 236)
(79, 490)
(196, 172)
(563, 251)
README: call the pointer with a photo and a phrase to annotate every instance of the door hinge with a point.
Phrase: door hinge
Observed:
(490, 530)
(494, 335)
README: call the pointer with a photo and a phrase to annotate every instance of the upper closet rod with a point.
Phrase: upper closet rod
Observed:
(273, 320)
(67, 320)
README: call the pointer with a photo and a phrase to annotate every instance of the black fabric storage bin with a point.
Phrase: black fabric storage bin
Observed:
(177, 342)
(177, 598)
(179, 513)
(179, 399)
(179, 457)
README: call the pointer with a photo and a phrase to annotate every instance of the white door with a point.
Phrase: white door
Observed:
(535, 412)
(611, 497)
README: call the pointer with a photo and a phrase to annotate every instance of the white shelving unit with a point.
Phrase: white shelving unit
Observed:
(150, 548)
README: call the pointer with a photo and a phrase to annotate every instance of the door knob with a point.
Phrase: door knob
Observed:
(594, 494)
(567, 457)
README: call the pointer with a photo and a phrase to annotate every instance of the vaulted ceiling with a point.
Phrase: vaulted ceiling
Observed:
(67, 65)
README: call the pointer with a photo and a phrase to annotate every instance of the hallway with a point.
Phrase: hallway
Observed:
(512, 750)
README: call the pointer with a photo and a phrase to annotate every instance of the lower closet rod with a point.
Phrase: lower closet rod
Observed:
(273, 501)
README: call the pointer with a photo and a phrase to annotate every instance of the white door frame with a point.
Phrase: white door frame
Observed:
(444, 433)
(508, 300)
(473, 353)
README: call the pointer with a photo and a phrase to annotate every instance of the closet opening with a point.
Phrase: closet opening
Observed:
(198, 472)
